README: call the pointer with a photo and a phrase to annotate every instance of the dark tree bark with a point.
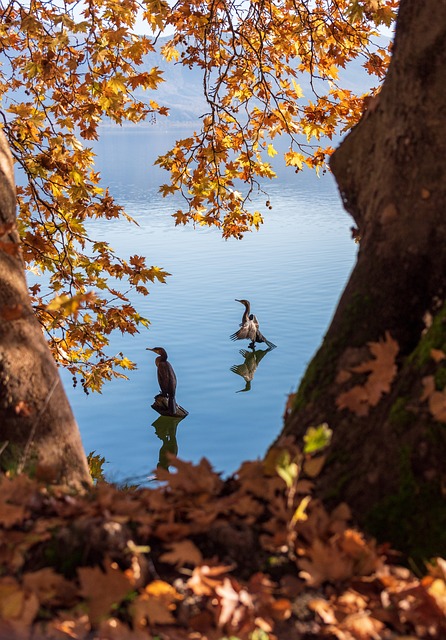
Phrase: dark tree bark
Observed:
(38, 432)
(388, 456)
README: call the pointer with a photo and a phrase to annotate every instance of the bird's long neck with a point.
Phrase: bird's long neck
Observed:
(160, 359)
(247, 310)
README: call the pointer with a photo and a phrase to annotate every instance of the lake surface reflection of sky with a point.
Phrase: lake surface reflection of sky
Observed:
(293, 271)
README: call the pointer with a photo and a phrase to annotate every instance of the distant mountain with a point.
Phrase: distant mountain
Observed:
(182, 91)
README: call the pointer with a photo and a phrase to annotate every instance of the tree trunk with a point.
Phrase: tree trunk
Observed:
(38, 432)
(379, 377)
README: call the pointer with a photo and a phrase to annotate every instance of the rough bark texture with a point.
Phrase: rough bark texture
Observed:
(38, 432)
(389, 465)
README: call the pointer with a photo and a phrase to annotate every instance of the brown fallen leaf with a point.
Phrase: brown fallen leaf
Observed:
(68, 626)
(50, 587)
(18, 608)
(436, 399)
(145, 610)
(362, 626)
(155, 605)
(191, 478)
(324, 562)
(382, 371)
(103, 589)
(205, 579)
(182, 553)
(313, 466)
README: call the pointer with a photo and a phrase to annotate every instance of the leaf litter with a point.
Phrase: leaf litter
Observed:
(196, 557)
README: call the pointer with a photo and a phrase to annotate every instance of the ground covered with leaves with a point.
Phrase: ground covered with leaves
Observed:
(197, 557)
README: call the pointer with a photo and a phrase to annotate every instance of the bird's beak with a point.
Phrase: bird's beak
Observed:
(149, 349)
(237, 300)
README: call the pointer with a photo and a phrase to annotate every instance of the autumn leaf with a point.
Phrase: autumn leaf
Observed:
(436, 399)
(182, 553)
(317, 438)
(381, 371)
(155, 604)
(325, 562)
(312, 467)
(50, 588)
(233, 603)
(191, 478)
(18, 608)
(341, 557)
(206, 579)
(103, 589)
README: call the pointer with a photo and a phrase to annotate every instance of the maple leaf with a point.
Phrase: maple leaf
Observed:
(50, 587)
(341, 557)
(325, 562)
(103, 589)
(191, 478)
(382, 371)
(155, 604)
(182, 553)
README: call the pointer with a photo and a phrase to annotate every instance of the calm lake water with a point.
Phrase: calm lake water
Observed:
(293, 271)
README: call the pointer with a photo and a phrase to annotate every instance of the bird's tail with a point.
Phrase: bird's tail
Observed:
(173, 407)
(261, 338)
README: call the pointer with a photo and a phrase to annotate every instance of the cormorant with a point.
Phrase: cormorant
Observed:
(249, 328)
(167, 379)
(248, 368)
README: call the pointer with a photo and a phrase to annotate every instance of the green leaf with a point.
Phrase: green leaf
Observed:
(317, 438)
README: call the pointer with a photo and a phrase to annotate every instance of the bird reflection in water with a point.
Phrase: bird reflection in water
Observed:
(248, 368)
(249, 328)
(166, 430)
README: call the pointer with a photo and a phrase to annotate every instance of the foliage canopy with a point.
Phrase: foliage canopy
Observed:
(68, 67)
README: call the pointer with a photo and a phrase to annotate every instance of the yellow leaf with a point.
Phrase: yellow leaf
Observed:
(294, 159)
(299, 514)
(271, 151)
(125, 363)
(170, 53)
(297, 89)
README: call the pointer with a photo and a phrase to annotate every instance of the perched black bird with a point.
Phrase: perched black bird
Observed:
(249, 328)
(167, 379)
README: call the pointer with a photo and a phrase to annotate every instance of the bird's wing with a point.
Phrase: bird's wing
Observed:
(240, 370)
(242, 333)
(167, 378)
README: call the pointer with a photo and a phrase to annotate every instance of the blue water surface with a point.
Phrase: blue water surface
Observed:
(293, 271)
